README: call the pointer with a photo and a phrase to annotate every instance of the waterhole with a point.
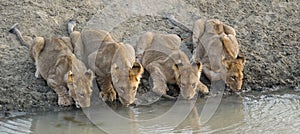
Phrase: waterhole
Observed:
(251, 113)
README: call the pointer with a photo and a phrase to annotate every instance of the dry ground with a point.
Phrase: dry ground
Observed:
(268, 32)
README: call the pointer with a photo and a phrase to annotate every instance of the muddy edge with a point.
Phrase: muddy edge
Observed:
(268, 33)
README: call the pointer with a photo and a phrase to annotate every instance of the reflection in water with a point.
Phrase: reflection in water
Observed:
(229, 115)
(74, 122)
(190, 124)
(248, 114)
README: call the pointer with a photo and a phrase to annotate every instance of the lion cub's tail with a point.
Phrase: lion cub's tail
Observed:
(175, 22)
(16, 31)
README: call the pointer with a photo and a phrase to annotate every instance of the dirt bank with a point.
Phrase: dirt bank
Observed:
(268, 32)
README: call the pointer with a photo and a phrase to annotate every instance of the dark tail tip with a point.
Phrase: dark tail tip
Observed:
(13, 28)
(71, 25)
(73, 21)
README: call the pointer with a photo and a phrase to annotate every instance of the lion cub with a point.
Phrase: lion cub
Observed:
(215, 45)
(117, 73)
(64, 73)
(166, 63)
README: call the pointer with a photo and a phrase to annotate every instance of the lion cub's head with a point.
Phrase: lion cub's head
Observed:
(79, 82)
(187, 77)
(234, 75)
(126, 81)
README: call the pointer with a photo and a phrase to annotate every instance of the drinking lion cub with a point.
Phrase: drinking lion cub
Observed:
(64, 73)
(166, 63)
(215, 45)
(117, 73)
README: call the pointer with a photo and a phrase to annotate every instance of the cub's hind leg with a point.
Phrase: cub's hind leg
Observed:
(198, 31)
(143, 42)
(36, 48)
(76, 41)
(78, 47)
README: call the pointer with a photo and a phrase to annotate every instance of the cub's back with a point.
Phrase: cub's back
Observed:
(161, 47)
(53, 49)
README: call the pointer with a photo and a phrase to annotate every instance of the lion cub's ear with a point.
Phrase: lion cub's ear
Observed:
(70, 76)
(242, 59)
(89, 74)
(176, 68)
(197, 64)
(227, 63)
(136, 70)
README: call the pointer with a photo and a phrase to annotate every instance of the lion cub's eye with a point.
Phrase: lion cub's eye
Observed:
(134, 88)
(233, 78)
(81, 95)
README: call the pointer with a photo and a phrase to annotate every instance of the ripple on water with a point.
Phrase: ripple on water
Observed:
(16, 126)
(271, 114)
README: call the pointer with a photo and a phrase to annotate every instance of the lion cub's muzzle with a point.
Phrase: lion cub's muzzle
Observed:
(189, 97)
(82, 105)
(125, 101)
(82, 102)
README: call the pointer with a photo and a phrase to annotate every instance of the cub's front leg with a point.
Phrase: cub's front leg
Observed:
(63, 97)
(158, 78)
(56, 80)
(202, 88)
(107, 92)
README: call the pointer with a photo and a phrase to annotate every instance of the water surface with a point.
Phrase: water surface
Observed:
(255, 113)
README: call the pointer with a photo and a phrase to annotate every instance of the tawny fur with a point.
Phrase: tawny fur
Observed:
(216, 46)
(64, 73)
(113, 64)
(166, 63)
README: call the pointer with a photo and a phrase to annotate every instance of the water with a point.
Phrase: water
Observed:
(255, 113)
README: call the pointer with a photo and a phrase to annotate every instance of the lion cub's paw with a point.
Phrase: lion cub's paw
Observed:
(65, 101)
(108, 96)
(160, 90)
(203, 89)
